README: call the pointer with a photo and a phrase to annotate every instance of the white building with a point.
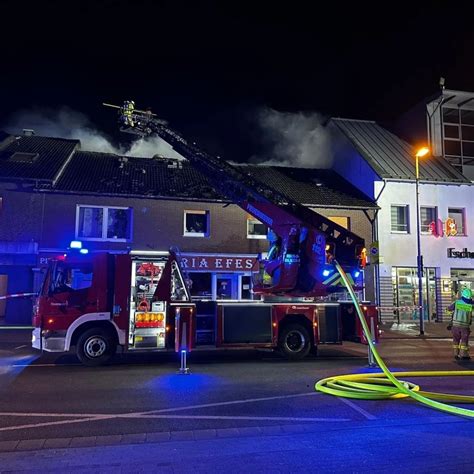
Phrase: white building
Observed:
(383, 166)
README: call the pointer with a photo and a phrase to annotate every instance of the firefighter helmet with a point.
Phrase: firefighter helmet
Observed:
(466, 293)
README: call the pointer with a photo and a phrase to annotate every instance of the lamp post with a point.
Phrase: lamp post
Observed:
(419, 259)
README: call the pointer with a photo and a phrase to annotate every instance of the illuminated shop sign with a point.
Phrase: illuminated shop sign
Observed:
(206, 263)
(439, 228)
(464, 253)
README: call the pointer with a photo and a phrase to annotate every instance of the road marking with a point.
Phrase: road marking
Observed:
(163, 410)
(50, 423)
(181, 417)
(84, 417)
(357, 408)
(20, 347)
(224, 417)
(43, 365)
(233, 402)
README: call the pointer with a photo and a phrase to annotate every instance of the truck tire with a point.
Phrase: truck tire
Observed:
(294, 342)
(95, 347)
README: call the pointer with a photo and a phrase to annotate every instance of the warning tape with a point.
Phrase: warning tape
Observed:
(402, 308)
(17, 295)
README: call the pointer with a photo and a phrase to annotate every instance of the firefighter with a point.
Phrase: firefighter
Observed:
(128, 109)
(461, 324)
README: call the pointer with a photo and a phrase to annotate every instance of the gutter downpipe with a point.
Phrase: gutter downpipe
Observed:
(375, 234)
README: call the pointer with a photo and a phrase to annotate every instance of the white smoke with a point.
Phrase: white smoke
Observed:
(68, 123)
(295, 139)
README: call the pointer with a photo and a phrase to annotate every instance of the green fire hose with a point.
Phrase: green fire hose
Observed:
(381, 386)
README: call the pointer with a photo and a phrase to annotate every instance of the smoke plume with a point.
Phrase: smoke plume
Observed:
(68, 123)
(295, 139)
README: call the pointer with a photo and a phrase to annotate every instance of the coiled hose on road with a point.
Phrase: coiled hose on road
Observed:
(382, 386)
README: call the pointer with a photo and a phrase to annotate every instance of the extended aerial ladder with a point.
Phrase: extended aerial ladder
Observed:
(307, 241)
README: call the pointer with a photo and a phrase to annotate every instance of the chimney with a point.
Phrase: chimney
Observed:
(28, 132)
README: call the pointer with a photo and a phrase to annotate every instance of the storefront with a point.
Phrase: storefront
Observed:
(220, 277)
(405, 294)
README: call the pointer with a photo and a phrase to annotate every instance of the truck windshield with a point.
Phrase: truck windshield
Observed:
(66, 276)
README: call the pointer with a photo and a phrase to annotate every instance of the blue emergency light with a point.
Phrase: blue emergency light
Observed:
(84, 251)
(76, 244)
(326, 273)
(356, 274)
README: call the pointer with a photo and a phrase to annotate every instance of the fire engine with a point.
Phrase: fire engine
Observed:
(100, 301)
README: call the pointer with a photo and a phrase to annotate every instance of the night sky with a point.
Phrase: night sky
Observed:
(208, 67)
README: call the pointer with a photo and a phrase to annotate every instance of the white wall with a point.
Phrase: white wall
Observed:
(401, 249)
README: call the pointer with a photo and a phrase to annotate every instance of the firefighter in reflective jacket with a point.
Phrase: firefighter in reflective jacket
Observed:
(128, 109)
(461, 324)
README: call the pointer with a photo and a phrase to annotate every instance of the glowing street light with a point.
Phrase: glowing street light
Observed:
(419, 258)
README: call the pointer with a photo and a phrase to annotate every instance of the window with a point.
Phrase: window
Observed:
(399, 219)
(201, 285)
(70, 277)
(342, 221)
(196, 223)
(103, 223)
(255, 229)
(458, 216)
(427, 216)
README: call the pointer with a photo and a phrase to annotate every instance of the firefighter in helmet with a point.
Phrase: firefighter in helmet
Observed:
(461, 324)
(128, 109)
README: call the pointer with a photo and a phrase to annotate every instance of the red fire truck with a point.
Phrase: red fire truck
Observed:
(99, 301)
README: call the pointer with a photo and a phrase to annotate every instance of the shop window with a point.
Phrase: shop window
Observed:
(428, 215)
(103, 223)
(196, 223)
(458, 216)
(255, 229)
(200, 285)
(399, 219)
(342, 221)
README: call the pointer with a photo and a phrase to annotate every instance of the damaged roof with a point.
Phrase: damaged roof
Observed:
(313, 187)
(91, 172)
(35, 158)
(390, 156)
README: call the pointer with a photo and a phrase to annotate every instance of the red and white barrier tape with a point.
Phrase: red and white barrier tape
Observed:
(17, 295)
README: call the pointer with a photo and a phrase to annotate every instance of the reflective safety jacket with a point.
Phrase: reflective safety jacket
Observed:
(462, 315)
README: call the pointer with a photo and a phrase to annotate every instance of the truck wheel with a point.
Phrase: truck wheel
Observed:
(95, 347)
(294, 342)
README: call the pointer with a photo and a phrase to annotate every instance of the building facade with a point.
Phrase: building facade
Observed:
(53, 192)
(383, 166)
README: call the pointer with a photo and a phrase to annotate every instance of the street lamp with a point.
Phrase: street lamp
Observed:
(419, 259)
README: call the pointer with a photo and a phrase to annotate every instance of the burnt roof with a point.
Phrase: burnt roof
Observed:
(35, 158)
(313, 187)
(106, 173)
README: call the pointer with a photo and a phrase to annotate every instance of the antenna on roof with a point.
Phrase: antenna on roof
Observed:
(441, 83)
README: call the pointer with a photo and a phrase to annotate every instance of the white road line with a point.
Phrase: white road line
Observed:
(163, 410)
(50, 423)
(20, 347)
(357, 408)
(83, 417)
(233, 402)
(43, 365)
(181, 417)
(224, 417)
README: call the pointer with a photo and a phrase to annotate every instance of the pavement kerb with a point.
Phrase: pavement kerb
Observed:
(202, 435)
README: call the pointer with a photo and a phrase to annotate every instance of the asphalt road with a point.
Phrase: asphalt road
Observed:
(236, 411)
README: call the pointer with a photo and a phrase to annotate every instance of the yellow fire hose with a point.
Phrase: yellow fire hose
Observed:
(381, 386)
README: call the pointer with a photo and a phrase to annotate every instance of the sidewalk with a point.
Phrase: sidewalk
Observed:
(411, 329)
